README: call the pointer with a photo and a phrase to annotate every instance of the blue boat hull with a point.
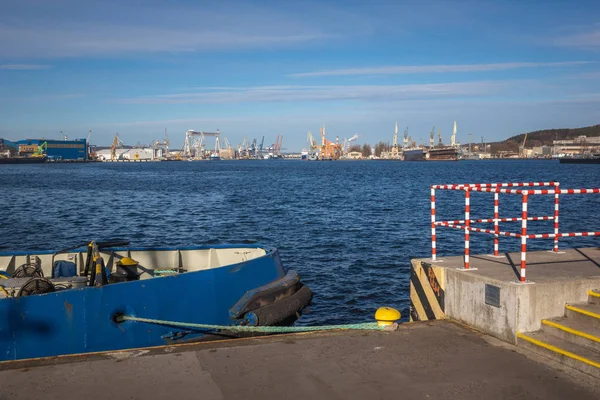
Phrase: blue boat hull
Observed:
(83, 320)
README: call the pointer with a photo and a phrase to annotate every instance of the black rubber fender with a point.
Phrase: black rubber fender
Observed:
(266, 295)
(281, 310)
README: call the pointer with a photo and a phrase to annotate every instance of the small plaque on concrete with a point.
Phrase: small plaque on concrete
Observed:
(492, 295)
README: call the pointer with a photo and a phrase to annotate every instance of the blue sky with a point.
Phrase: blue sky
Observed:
(257, 68)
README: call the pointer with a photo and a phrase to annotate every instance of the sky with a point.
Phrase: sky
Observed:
(263, 68)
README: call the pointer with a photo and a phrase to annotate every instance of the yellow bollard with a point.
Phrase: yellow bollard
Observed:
(386, 316)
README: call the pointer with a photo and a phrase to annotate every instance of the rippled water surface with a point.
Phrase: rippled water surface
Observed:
(350, 228)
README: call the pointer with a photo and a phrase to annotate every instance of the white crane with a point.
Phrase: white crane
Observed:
(187, 144)
(453, 137)
(431, 140)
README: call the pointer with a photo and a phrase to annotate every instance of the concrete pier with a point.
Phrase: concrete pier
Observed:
(428, 360)
(556, 313)
(489, 296)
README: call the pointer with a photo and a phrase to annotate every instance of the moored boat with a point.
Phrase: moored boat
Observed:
(23, 160)
(588, 159)
(72, 301)
(413, 155)
(443, 153)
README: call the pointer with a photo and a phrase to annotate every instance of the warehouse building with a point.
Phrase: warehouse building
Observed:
(55, 149)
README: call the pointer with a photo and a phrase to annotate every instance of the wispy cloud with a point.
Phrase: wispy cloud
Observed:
(24, 66)
(590, 39)
(587, 75)
(95, 29)
(43, 97)
(427, 69)
(214, 95)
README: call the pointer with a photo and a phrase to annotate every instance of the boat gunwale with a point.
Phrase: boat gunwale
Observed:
(169, 248)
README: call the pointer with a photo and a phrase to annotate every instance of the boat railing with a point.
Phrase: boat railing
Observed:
(524, 189)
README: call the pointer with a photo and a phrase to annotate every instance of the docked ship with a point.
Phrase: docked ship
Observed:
(23, 160)
(586, 159)
(443, 152)
(410, 151)
(413, 154)
(87, 298)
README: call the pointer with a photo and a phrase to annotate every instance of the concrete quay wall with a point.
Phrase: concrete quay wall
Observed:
(510, 306)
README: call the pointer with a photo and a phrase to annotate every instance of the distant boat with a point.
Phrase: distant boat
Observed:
(470, 156)
(442, 152)
(23, 160)
(445, 153)
(586, 159)
(413, 155)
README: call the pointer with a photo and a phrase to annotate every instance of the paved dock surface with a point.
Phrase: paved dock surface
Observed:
(432, 360)
(542, 266)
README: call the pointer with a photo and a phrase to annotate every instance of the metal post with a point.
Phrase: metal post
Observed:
(524, 237)
(496, 227)
(433, 237)
(556, 194)
(467, 224)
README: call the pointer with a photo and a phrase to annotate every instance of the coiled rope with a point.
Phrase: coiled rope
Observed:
(263, 329)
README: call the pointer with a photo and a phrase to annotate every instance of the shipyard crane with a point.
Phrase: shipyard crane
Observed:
(201, 143)
(453, 137)
(431, 138)
(113, 148)
(91, 153)
(523, 145)
(253, 148)
(277, 146)
(311, 142)
(228, 149)
(41, 150)
(261, 147)
(217, 152)
(405, 142)
(329, 150)
(156, 145)
(394, 152)
(243, 148)
(440, 143)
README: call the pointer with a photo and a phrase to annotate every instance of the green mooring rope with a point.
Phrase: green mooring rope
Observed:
(263, 329)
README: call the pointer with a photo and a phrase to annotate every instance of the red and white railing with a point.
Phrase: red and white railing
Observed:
(509, 188)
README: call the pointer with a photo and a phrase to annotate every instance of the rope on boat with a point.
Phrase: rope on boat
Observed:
(262, 329)
(165, 271)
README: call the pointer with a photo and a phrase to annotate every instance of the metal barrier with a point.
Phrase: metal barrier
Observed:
(509, 188)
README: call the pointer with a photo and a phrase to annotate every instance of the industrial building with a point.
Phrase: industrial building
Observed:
(54, 149)
(133, 154)
(579, 145)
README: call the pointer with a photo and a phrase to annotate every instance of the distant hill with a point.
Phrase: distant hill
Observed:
(544, 137)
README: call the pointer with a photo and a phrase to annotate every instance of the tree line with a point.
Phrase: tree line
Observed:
(366, 150)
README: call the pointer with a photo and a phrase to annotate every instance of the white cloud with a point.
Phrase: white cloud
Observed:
(323, 93)
(43, 97)
(24, 66)
(425, 69)
(116, 28)
(589, 39)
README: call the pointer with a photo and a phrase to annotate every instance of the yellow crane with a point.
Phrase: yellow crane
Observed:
(113, 148)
